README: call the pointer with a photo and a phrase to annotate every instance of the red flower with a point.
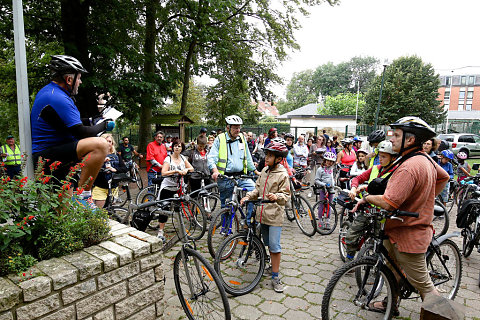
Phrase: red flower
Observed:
(79, 191)
(31, 217)
(23, 274)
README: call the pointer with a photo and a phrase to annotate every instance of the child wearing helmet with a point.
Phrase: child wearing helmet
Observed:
(445, 162)
(324, 179)
(359, 166)
(387, 165)
(463, 168)
(273, 184)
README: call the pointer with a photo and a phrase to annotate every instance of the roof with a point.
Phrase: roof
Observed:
(464, 115)
(170, 119)
(311, 111)
(267, 109)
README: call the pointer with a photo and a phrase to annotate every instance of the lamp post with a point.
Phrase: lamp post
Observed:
(385, 64)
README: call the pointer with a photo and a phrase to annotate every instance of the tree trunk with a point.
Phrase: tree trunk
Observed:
(186, 76)
(147, 104)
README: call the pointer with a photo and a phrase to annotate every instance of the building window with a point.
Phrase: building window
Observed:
(471, 80)
(447, 81)
(468, 107)
(461, 96)
(463, 80)
(447, 95)
(470, 93)
(460, 105)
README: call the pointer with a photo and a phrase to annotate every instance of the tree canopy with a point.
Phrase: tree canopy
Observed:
(344, 104)
(410, 89)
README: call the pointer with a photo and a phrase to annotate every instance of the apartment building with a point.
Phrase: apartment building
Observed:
(460, 92)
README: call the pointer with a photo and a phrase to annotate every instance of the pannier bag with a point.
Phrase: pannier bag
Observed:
(468, 212)
(345, 201)
(141, 219)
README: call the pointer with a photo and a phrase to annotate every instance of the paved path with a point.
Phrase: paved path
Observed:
(307, 266)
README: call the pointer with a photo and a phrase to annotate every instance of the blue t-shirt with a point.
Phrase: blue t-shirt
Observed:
(447, 167)
(46, 135)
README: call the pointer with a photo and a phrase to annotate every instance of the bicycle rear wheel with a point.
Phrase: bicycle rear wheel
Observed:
(219, 229)
(118, 214)
(195, 219)
(345, 299)
(208, 299)
(210, 203)
(137, 178)
(289, 211)
(342, 247)
(441, 220)
(445, 268)
(327, 224)
(141, 194)
(240, 263)
(304, 216)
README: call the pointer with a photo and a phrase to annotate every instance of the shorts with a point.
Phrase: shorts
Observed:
(271, 237)
(65, 153)
(444, 193)
(102, 193)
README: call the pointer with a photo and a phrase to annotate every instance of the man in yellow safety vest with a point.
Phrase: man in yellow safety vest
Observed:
(11, 156)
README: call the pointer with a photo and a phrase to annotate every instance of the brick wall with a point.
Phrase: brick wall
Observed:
(121, 278)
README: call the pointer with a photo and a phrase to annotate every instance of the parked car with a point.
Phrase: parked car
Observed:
(463, 142)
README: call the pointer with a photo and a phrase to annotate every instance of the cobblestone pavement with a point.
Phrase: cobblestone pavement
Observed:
(306, 267)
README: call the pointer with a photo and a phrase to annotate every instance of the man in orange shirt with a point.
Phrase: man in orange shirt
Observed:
(156, 153)
(412, 187)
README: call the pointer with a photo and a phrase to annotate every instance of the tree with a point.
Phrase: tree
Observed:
(300, 92)
(196, 101)
(410, 89)
(342, 104)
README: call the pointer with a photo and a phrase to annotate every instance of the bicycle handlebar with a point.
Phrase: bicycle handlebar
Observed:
(259, 201)
(400, 213)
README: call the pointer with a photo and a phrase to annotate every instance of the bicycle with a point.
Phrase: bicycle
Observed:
(470, 212)
(350, 299)
(207, 195)
(328, 218)
(198, 286)
(117, 212)
(241, 258)
(226, 221)
(135, 173)
(192, 211)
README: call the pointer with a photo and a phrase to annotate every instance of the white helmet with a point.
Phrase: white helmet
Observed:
(386, 146)
(329, 156)
(234, 119)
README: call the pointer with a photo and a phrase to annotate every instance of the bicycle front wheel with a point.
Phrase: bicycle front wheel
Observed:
(345, 299)
(441, 220)
(198, 287)
(195, 219)
(304, 216)
(137, 178)
(240, 263)
(210, 203)
(119, 214)
(445, 268)
(327, 221)
(220, 229)
(141, 194)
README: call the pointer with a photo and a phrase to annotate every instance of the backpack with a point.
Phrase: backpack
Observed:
(468, 212)
(141, 219)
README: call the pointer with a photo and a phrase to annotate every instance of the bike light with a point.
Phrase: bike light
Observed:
(454, 145)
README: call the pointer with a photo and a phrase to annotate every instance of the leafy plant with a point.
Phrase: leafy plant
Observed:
(39, 220)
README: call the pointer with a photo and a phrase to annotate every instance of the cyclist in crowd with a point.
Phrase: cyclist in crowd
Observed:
(251, 146)
(156, 154)
(359, 166)
(374, 139)
(273, 185)
(175, 163)
(317, 149)
(335, 143)
(300, 153)
(126, 151)
(347, 158)
(168, 144)
(198, 159)
(445, 162)
(112, 164)
(357, 143)
(259, 145)
(58, 132)
(412, 187)
(383, 170)
(230, 156)
(272, 133)
(463, 168)
(430, 147)
(289, 144)
(329, 147)
(324, 178)
(210, 140)
(11, 157)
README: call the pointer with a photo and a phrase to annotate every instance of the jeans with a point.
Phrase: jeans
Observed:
(150, 176)
(225, 187)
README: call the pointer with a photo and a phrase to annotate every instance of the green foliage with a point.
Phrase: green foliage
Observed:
(40, 221)
(300, 92)
(196, 101)
(410, 89)
(342, 104)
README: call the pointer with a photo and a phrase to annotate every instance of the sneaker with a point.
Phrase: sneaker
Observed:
(161, 236)
(327, 226)
(277, 285)
(309, 195)
(87, 203)
(267, 271)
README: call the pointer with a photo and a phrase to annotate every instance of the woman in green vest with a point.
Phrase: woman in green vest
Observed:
(12, 157)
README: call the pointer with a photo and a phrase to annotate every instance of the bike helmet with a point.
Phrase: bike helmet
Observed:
(213, 133)
(386, 146)
(233, 119)
(416, 126)
(346, 141)
(447, 154)
(462, 155)
(289, 135)
(443, 145)
(362, 151)
(329, 156)
(61, 64)
(277, 148)
(272, 131)
(376, 136)
(203, 130)
(357, 139)
(279, 140)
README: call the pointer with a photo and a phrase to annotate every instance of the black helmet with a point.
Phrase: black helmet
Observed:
(416, 126)
(289, 135)
(213, 133)
(61, 64)
(203, 130)
(376, 136)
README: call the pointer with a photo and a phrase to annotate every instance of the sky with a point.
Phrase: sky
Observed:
(440, 32)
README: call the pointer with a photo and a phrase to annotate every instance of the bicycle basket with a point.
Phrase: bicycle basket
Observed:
(141, 219)
(345, 201)
(468, 212)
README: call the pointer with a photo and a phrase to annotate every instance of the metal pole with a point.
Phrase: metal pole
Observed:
(356, 107)
(379, 98)
(450, 101)
(25, 133)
